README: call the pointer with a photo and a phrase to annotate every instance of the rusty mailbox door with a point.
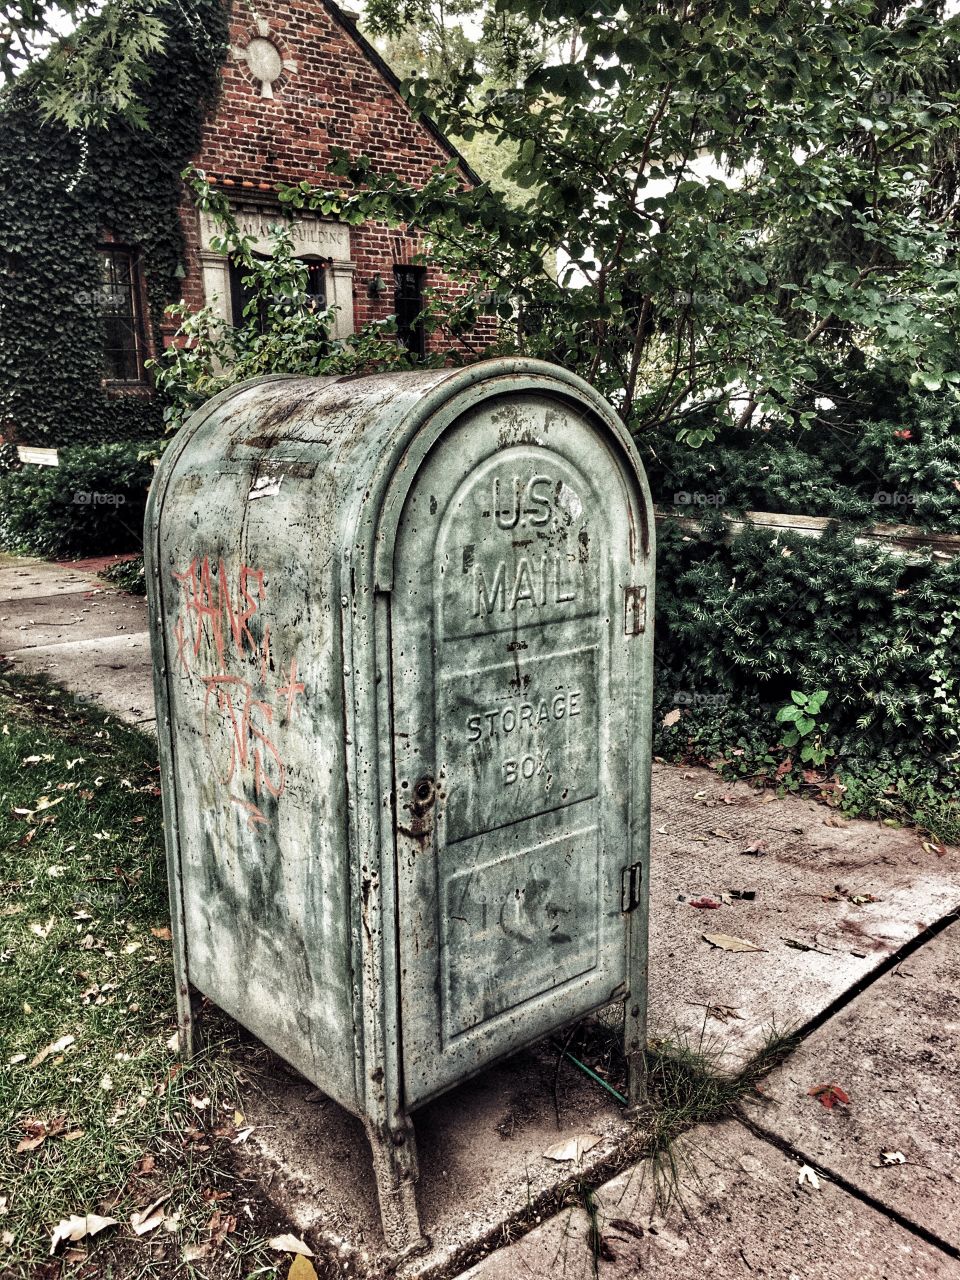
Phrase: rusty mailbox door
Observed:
(520, 668)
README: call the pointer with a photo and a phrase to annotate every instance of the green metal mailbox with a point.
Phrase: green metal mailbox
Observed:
(402, 652)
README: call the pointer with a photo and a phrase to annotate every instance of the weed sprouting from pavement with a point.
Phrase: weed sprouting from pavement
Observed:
(687, 1085)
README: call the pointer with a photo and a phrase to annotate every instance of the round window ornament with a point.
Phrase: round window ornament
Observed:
(264, 60)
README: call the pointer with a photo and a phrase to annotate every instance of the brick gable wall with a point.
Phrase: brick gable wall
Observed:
(330, 92)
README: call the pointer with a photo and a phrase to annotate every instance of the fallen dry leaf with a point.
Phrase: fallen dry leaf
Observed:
(77, 1228)
(756, 849)
(301, 1268)
(726, 942)
(148, 1219)
(574, 1148)
(164, 933)
(829, 1095)
(290, 1244)
(623, 1224)
(934, 846)
(194, 1252)
(57, 1046)
(142, 1226)
(808, 1177)
(706, 904)
(723, 1012)
(220, 1226)
(45, 802)
(671, 718)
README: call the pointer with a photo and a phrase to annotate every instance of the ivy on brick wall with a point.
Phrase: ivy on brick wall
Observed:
(60, 191)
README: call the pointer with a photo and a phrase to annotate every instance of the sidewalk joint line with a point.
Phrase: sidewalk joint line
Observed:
(886, 966)
(851, 1188)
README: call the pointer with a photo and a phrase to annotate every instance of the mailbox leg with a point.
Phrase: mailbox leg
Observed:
(395, 1168)
(635, 1014)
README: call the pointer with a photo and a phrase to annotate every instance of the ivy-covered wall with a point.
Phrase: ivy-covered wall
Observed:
(59, 193)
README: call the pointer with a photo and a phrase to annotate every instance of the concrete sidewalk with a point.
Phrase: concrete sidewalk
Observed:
(74, 627)
(834, 906)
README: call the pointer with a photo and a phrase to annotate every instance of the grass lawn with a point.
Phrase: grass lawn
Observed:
(99, 1113)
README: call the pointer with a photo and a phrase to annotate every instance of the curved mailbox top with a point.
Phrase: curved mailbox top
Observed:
(346, 437)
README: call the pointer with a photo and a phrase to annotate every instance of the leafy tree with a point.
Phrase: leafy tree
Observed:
(743, 197)
(88, 59)
(449, 45)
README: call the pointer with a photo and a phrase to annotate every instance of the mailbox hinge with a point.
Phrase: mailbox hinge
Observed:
(634, 611)
(631, 878)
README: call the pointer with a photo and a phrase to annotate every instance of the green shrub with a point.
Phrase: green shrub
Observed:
(9, 458)
(128, 575)
(878, 452)
(748, 627)
(91, 504)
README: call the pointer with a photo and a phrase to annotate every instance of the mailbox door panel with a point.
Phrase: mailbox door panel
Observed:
(518, 596)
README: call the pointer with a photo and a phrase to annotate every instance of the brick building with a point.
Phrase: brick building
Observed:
(299, 79)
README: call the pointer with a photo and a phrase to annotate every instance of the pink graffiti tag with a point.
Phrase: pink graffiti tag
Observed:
(291, 689)
(208, 605)
(238, 709)
(236, 702)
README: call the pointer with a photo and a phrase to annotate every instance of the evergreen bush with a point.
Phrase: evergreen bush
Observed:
(748, 626)
(91, 504)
